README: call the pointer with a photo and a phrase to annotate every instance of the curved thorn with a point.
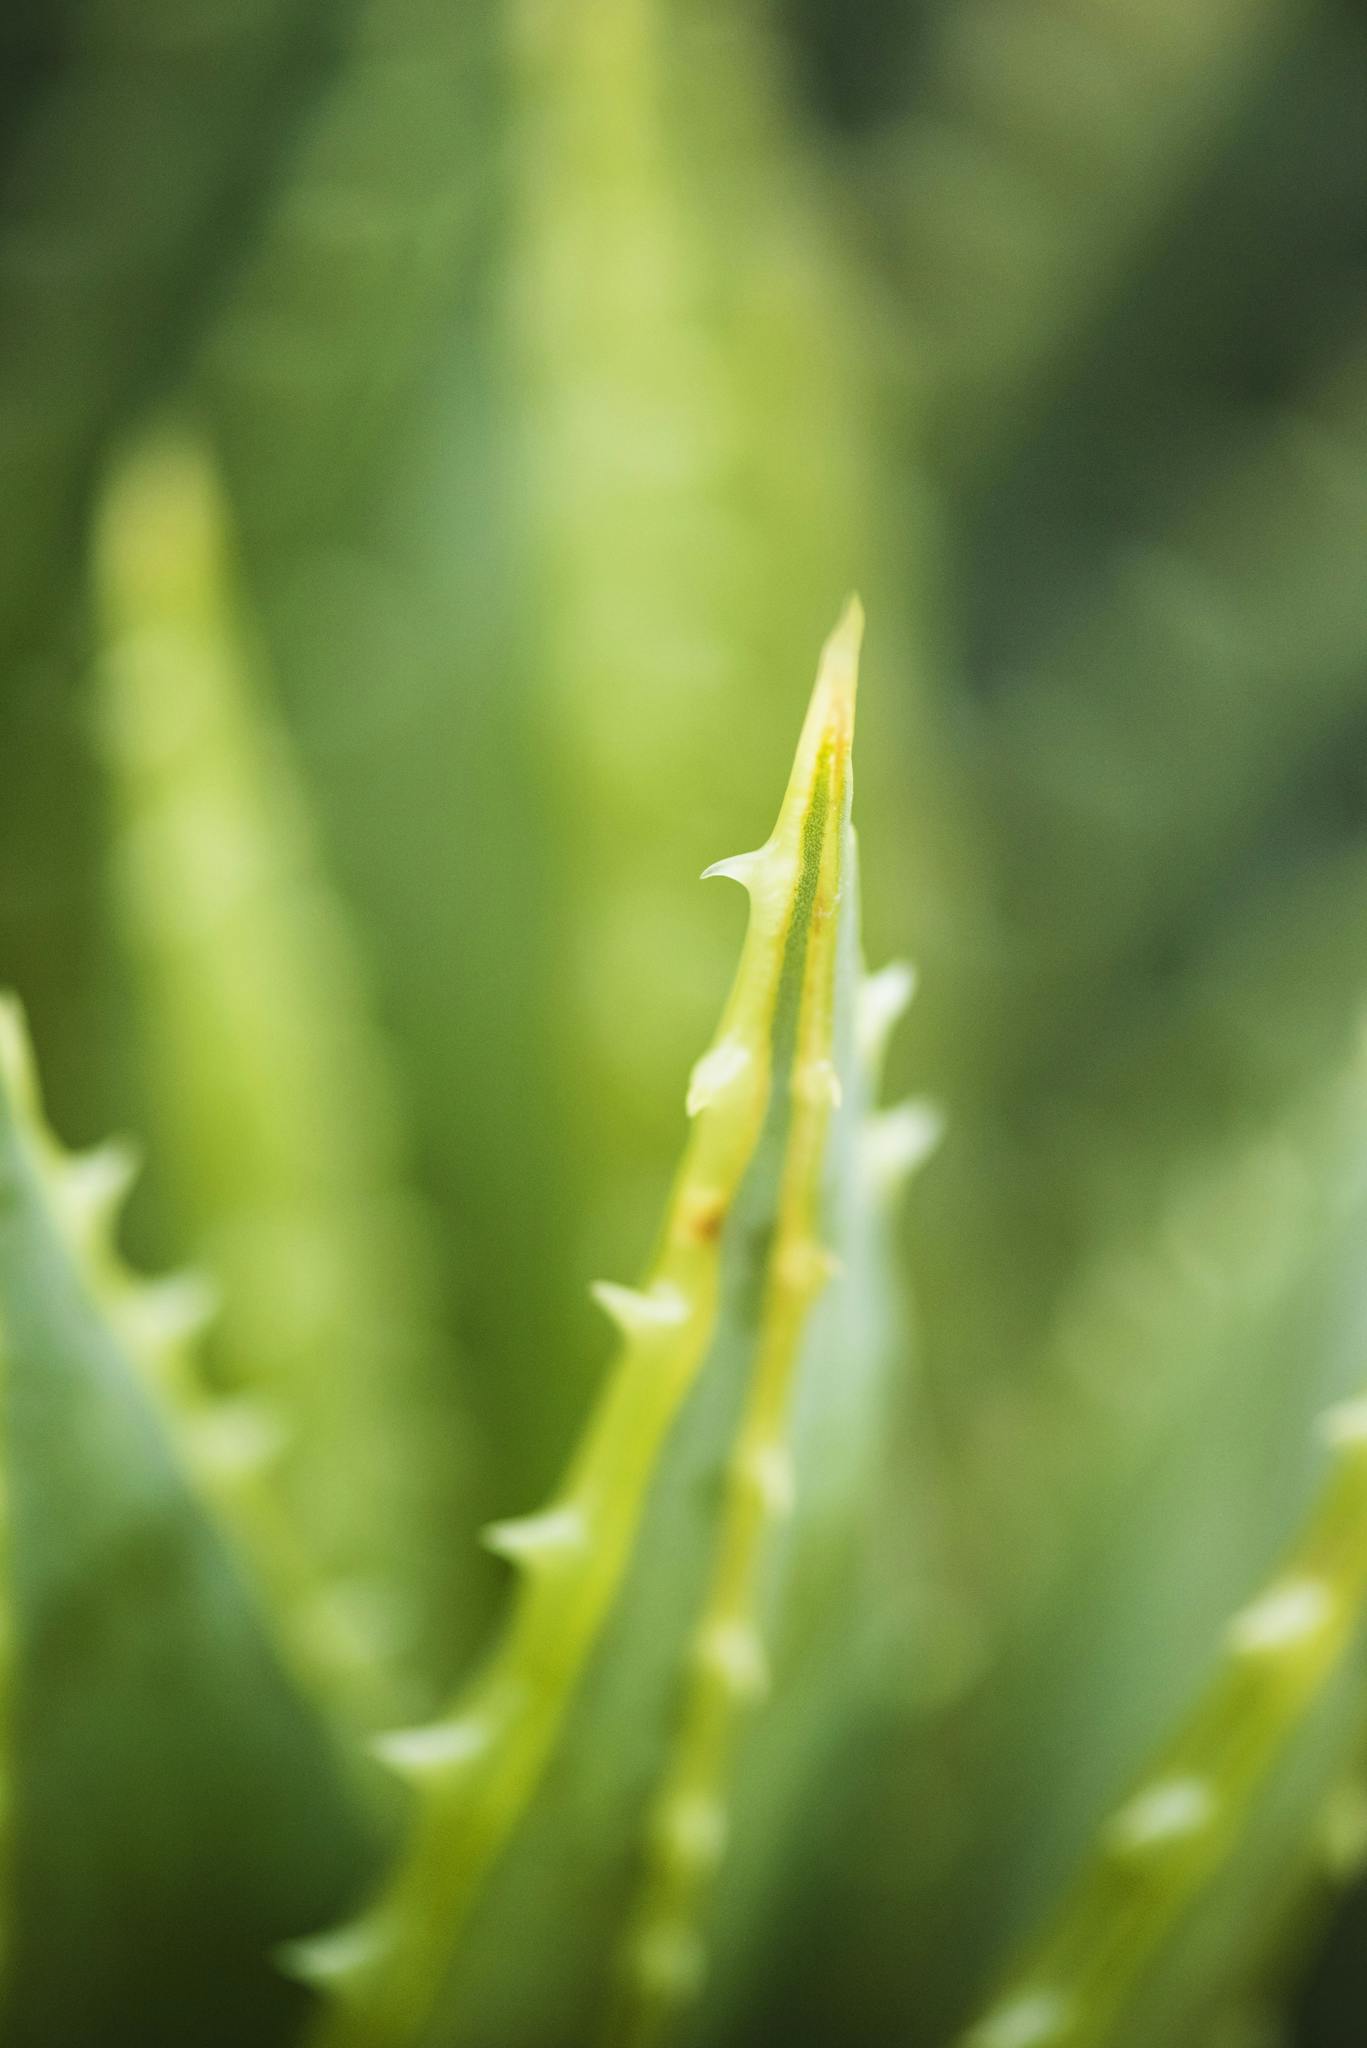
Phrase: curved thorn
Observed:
(717, 1071)
(883, 1000)
(744, 868)
(94, 1184)
(531, 1539)
(894, 1142)
(237, 1439)
(173, 1311)
(1345, 1427)
(635, 1311)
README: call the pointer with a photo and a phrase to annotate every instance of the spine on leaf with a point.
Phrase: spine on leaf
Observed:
(274, 1097)
(1185, 1818)
(688, 543)
(635, 1649)
(136, 1651)
(230, 1442)
(728, 1667)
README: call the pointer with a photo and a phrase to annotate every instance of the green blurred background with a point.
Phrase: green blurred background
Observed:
(565, 362)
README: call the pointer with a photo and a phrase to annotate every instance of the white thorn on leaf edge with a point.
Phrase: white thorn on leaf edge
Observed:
(635, 1310)
(896, 1141)
(1171, 1810)
(745, 868)
(1345, 1426)
(883, 999)
(176, 1310)
(1281, 1619)
(237, 1438)
(1031, 2020)
(717, 1070)
(93, 1184)
(529, 1539)
(817, 1082)
(333, 1959)
(1034, 2019)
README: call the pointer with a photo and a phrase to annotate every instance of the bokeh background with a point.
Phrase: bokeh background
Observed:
(563, 364)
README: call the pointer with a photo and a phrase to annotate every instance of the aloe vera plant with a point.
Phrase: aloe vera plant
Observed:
(684, 1636)
(889, 1667)
(694, 1552)
(173, 1799)
(595, 1826)
(1194, 1807)
(256, 1013)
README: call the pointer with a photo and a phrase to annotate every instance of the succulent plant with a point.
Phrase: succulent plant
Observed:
(684, 1638)
(436, 438)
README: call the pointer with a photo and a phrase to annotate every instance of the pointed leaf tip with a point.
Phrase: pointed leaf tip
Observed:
(827, 734)
(838, 674)
(590, 1558)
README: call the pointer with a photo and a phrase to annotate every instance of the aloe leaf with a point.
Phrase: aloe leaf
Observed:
(512, 592)
(355, 379)
(574, 1803)
(1188, 1813)
(1216, 1825)
(174, 1803)
(678, 298)
(281, 1126)
(135, 144)
(1144, 1461)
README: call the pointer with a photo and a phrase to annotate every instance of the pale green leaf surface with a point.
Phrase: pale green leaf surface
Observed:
(174, 1804)
(678, 1587)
